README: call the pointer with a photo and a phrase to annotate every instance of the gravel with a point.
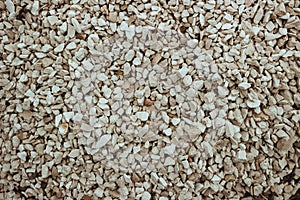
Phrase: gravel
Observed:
(150, 100)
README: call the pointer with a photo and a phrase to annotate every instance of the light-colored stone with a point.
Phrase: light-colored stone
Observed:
(143, 116)
(242, 155)
(59, 48)
(146, 196)
(129, 55)
(104, 139)
(74, 153)
(99, 192)
(10, 6)
(87, 65)
(167, 132)
(22, 155)
(253, 104)
(244, 85)
(169, 149)
(57, 120)
(52, 20)
(45, 171)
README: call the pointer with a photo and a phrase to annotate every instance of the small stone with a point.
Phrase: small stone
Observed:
(186, 2)
(71, 46)
(35, 8)
(129, 55)
(87, 65)
(59, 48)
(46, 48)
(226, 26)
(208, 148)
(10, 6)
(80, 54)
(16, 141)
(57, 119)
(22, 155)
(123, 26)
(244, 85)
(282, 134)
(169, 161)
(216, 178)
(99, 192)
(106, 91)
(169, 149)
(137, 61)
(130, 32)
(183, 71)
(271, 36)
(55, 89)
(102, 141)
(74, 153)
(187, 80)
(259, 15)
(68, 116)
(86, 127)
(228, 17)
(253, 104)
(23, 78)
(231, 129)
(202, 19)
(258, 189)
(146, 196)
(143, 116)
(52, 20)
(163, 182)
(45, 171)
(76, 25)
(193, 43)
(63, 27)
(168, 132)
(175, 121)
(148, 102)
(242, 155)
(197, 85)
(163, 198)
(101, 22)
(283, 31)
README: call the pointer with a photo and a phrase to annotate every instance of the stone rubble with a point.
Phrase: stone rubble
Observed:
(93, 105)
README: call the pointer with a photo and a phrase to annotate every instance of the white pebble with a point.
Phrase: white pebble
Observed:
(57, 119)
(129, 55)
(143, 116)
(253, 104)
(197, 85)
(102, 141)
(183, 71)
(169, 149)
(146, 196)
(22, 155)
(192, 43)
(244, 85)
(45, 171)
(99, 192)
(187, 80)
(87, 65)
(52, 20)
(175, 121)
(241, 155)
(68, 116)
(71, 46)
(168, 132)
(59, 48)
(74, 153)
